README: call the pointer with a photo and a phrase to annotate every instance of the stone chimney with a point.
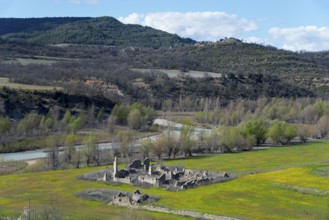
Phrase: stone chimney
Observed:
(115, 167)
(150, 170)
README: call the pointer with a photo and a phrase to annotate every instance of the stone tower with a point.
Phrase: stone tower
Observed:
(115, 167)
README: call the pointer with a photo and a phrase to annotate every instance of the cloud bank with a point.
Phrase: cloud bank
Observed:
(212, 26)
(310, 38)
(202, 26)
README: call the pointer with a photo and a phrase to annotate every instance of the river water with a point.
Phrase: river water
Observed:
(38, 154)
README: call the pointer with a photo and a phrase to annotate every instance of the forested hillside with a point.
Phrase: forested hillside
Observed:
(95, 57)
(100, 31)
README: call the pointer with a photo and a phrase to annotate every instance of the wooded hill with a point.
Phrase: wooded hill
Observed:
(100, 31)
(95, 57)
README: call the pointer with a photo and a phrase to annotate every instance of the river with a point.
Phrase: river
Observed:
(37, 154)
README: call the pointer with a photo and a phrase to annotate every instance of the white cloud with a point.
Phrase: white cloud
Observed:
(310, 38)
(133, 18)
(197, 25)
(258, 40)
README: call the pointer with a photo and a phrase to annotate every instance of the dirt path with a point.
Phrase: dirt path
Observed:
(197, 215)
(31, 162)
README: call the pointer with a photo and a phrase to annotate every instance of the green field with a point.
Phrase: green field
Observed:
(292, 183)
(4, 82)
(39, 60)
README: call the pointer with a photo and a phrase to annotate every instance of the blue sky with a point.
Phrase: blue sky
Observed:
(289, 24)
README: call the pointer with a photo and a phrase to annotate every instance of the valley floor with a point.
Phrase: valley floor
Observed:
(290, 182)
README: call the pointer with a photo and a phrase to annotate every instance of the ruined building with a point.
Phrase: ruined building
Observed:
(171, 177)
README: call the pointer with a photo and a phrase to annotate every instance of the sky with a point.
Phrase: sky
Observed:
(297, 25)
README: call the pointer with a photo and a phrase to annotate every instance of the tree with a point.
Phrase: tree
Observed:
(4, 128)
(70, 149)
(4, 125)
(258, 128)
(121, 113)
(213, 141)
(54, 115)
(231, 138)
(323, 125)
(276, 131)
(146, 147)
(185, 141)
(65, 120)
(90, 118)
(169, 144)
(135, 119)
(90, 149)
(100, 115)
(281, 132)
(290, 133)
(303, 132)
(53, 152)
(75, 124)
(49, 123)
(111, 121)
(125, 142)
(29, 124)
(158, 146)
(202, 140)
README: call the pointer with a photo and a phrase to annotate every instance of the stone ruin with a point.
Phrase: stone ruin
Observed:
(114, 197)
(126, 199)
(170, 177)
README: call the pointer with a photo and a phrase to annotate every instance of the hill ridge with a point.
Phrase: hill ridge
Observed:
(86, 30)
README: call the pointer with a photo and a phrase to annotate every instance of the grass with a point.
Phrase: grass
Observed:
(59, 186)
(260, 160)
(267, 195)
(4, 82)
(8, 167)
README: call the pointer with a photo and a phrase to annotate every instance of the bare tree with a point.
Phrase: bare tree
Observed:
(53, 152)
(323, 125)
(111, 122)
(70, 149)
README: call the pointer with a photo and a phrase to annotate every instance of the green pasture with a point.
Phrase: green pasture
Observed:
(4, 82)
(278, 192)
(261, 160)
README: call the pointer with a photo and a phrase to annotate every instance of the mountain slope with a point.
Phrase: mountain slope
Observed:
(232, 56)
(30, 25)
(100, 31)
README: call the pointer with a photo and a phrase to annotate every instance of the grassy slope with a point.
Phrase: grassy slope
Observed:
(4, 82)
(59, 186)
(253, 196)
(260, 160)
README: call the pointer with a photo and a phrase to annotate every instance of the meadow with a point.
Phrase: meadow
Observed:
(5, 82)
(288, 182)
